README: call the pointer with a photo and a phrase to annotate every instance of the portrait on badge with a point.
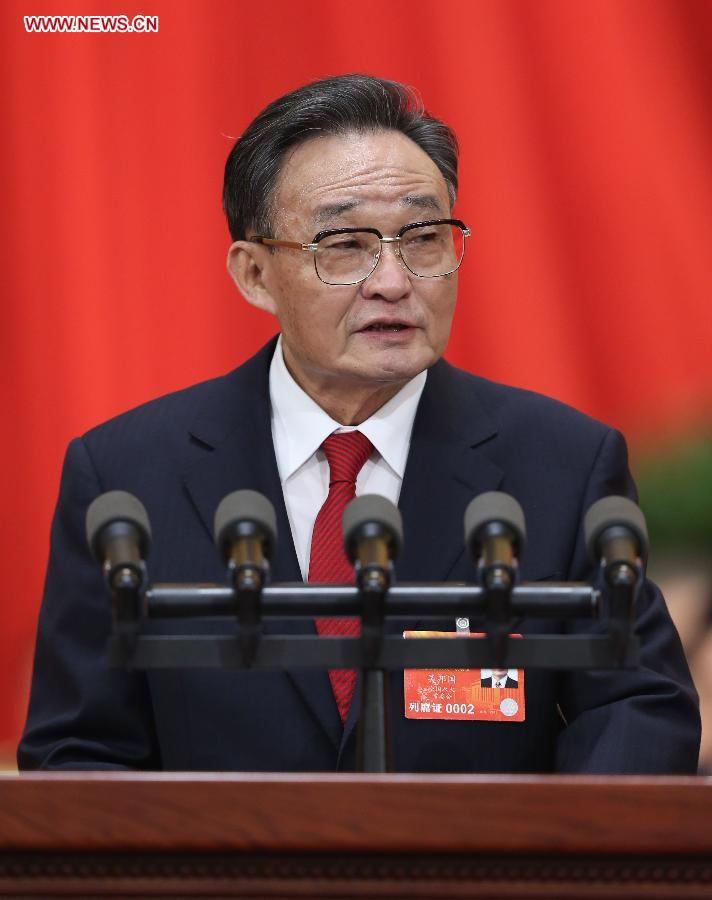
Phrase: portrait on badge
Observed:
(500, 678)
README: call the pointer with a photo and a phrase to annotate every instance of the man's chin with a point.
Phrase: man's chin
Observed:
(402, 353)
(394, 366)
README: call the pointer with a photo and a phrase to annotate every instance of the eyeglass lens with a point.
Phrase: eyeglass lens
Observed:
(428, 251)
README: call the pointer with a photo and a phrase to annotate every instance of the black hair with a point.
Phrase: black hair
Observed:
(337, 105)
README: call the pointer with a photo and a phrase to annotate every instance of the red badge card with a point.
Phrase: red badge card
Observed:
(478, 695)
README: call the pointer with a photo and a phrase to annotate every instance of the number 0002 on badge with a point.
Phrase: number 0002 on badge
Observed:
(478, 695)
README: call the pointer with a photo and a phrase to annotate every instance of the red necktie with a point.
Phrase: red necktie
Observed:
(346, 453)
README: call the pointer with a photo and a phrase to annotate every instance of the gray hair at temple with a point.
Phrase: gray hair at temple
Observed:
(338, 105)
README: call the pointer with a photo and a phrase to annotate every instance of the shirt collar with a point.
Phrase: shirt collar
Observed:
(301, 426)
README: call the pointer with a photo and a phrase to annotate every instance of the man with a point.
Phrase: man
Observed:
(326, 196)
(500, 678)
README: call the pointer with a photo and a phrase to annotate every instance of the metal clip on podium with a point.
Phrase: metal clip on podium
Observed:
(119, 534)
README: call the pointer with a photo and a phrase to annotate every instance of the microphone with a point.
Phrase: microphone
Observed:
(495, 534)
(246, 534)
(616, 537)
(373, 537)
(119, 535)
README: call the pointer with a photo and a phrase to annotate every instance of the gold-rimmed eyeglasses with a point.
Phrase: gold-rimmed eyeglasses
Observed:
(349, 255)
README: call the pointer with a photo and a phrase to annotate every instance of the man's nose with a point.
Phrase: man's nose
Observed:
(390, 279)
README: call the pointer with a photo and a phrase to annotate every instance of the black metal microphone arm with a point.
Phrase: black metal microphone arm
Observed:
(147, 641)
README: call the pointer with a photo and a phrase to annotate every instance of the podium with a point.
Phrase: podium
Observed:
(93, 834)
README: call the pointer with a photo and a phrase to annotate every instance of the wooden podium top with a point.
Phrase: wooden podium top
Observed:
(92, 811)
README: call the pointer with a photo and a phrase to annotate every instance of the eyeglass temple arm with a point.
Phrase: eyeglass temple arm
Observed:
(271, 242)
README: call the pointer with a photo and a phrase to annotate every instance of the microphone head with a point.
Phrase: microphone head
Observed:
(372, 512)
(490, 508)
(611, 512)
(249, 511)
(117, 506)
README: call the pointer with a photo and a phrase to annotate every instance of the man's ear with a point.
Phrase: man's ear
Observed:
(246, 263)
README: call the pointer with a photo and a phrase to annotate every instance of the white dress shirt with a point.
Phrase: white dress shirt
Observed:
(300, 426)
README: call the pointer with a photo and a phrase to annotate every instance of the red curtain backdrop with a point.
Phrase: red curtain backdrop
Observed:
(586, 134)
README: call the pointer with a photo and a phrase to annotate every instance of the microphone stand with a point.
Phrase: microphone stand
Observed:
(374, 750)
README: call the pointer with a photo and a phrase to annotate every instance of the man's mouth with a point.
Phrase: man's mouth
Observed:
(383, 326)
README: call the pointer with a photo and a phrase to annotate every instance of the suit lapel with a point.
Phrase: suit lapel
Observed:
(236, 436)
(239, 454)
(446, 468)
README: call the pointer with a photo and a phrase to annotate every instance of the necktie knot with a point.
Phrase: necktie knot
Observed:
(346, 453)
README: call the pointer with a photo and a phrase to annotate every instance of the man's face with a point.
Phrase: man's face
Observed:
(499, 674)
(390, 327)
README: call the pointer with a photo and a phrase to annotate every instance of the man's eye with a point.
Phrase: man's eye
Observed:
(422, 237)
(342, 245)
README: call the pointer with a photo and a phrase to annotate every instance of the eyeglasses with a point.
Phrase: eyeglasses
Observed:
(349, 255)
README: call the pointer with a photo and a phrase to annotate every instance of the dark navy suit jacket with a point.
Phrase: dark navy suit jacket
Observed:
(182, 453)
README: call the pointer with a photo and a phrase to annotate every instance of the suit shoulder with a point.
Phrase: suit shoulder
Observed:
(212, 406)
(151, 419)
(531, 411)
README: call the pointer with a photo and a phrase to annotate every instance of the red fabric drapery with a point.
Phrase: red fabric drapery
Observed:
(586, 133)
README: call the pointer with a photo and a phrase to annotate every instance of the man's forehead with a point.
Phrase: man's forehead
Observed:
(329, 176)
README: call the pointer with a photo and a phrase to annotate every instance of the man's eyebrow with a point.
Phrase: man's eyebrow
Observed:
(422, 201)
(332, 211)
